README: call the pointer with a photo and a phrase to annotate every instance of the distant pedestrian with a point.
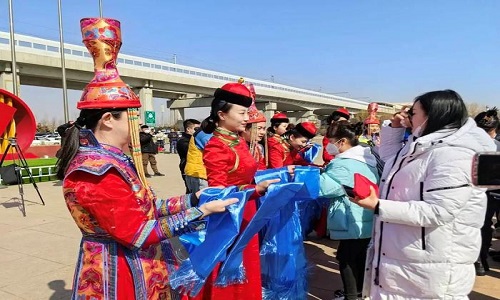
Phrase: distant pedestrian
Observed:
(190, 127)
(173, 137)
(149, 150)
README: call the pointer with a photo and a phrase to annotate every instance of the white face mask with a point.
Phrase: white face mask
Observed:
(418, 131)
(147, 131)
(332, 149)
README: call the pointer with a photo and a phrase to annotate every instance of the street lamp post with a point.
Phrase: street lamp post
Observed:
(13, 50)
(63, 63)
(100, 8)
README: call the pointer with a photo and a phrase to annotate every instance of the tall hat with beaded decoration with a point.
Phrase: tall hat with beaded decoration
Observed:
(254, 115)
(372, 114)
(102, 37)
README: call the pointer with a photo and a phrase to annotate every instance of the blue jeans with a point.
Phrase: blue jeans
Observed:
(173, 147)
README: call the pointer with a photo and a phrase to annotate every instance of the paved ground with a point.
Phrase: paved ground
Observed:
(38, 252)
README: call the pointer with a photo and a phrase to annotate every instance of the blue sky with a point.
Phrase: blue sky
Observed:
(386, 50)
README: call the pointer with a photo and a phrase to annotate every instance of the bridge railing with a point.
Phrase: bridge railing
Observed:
(52, 48)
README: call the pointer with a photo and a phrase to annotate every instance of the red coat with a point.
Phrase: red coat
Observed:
(125, 228)
(281, 154)
(228, 162)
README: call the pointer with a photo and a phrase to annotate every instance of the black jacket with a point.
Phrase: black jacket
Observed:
(182, 150)
(147, 144)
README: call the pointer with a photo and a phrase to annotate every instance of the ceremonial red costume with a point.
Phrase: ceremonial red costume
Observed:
(125, 250)
(228, 162)
(283, 154)
(273, 138)
(255, 116)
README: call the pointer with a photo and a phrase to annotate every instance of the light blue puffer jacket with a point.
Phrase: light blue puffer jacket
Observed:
(347, 220)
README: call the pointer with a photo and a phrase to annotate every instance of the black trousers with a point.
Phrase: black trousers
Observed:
(351, 255)
(486, 231)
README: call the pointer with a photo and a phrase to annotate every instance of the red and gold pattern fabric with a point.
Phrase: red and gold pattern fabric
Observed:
(125, 252)
(281, 154)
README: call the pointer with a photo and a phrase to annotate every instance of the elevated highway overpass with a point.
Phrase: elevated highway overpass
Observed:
(39, 64)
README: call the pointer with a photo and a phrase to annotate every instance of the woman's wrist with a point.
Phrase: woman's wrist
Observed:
(377, 208)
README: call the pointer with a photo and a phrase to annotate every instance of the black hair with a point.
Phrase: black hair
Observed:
(444, 109)
(345, 130)
(144, 126)
(293, 132)
(209, 124)
(61, 129)
(275, 123)
(88, 118)
(335, 116)
(189, 123)
(488, 120)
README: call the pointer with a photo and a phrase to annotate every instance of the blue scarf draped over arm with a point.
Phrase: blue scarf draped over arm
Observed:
(209, 248)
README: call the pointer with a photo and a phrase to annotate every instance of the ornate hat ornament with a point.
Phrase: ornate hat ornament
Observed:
(372, 111)
(102, 37)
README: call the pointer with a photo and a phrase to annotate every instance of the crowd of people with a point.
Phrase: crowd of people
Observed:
(397, 195)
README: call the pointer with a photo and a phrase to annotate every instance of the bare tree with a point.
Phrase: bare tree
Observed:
(474, 108)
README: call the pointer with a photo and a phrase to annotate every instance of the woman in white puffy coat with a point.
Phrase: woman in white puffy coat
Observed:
(428, 218)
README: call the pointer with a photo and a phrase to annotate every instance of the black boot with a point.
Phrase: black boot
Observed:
(480, 271)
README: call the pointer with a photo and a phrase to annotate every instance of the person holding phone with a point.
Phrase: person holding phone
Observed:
(488, 120)
(428, 214)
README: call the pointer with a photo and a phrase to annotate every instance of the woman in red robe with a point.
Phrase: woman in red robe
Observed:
(255, 132)
(228, 162)
(126, 250)
(286, 151)
(279, 125)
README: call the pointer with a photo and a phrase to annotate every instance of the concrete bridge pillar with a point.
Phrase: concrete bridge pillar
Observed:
(7, 82)
(177, 117)
(270, 110)
(146, 97)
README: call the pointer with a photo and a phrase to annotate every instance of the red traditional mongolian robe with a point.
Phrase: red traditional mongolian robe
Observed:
(229, 162)
(281, 154)
(125, 252)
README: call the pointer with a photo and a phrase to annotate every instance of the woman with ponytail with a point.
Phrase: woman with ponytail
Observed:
(228, 162)
(126, 250)
(348, 222)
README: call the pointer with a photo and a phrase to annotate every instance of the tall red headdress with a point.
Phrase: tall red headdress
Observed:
(102, 37)
(372, 111)
(254, 116)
